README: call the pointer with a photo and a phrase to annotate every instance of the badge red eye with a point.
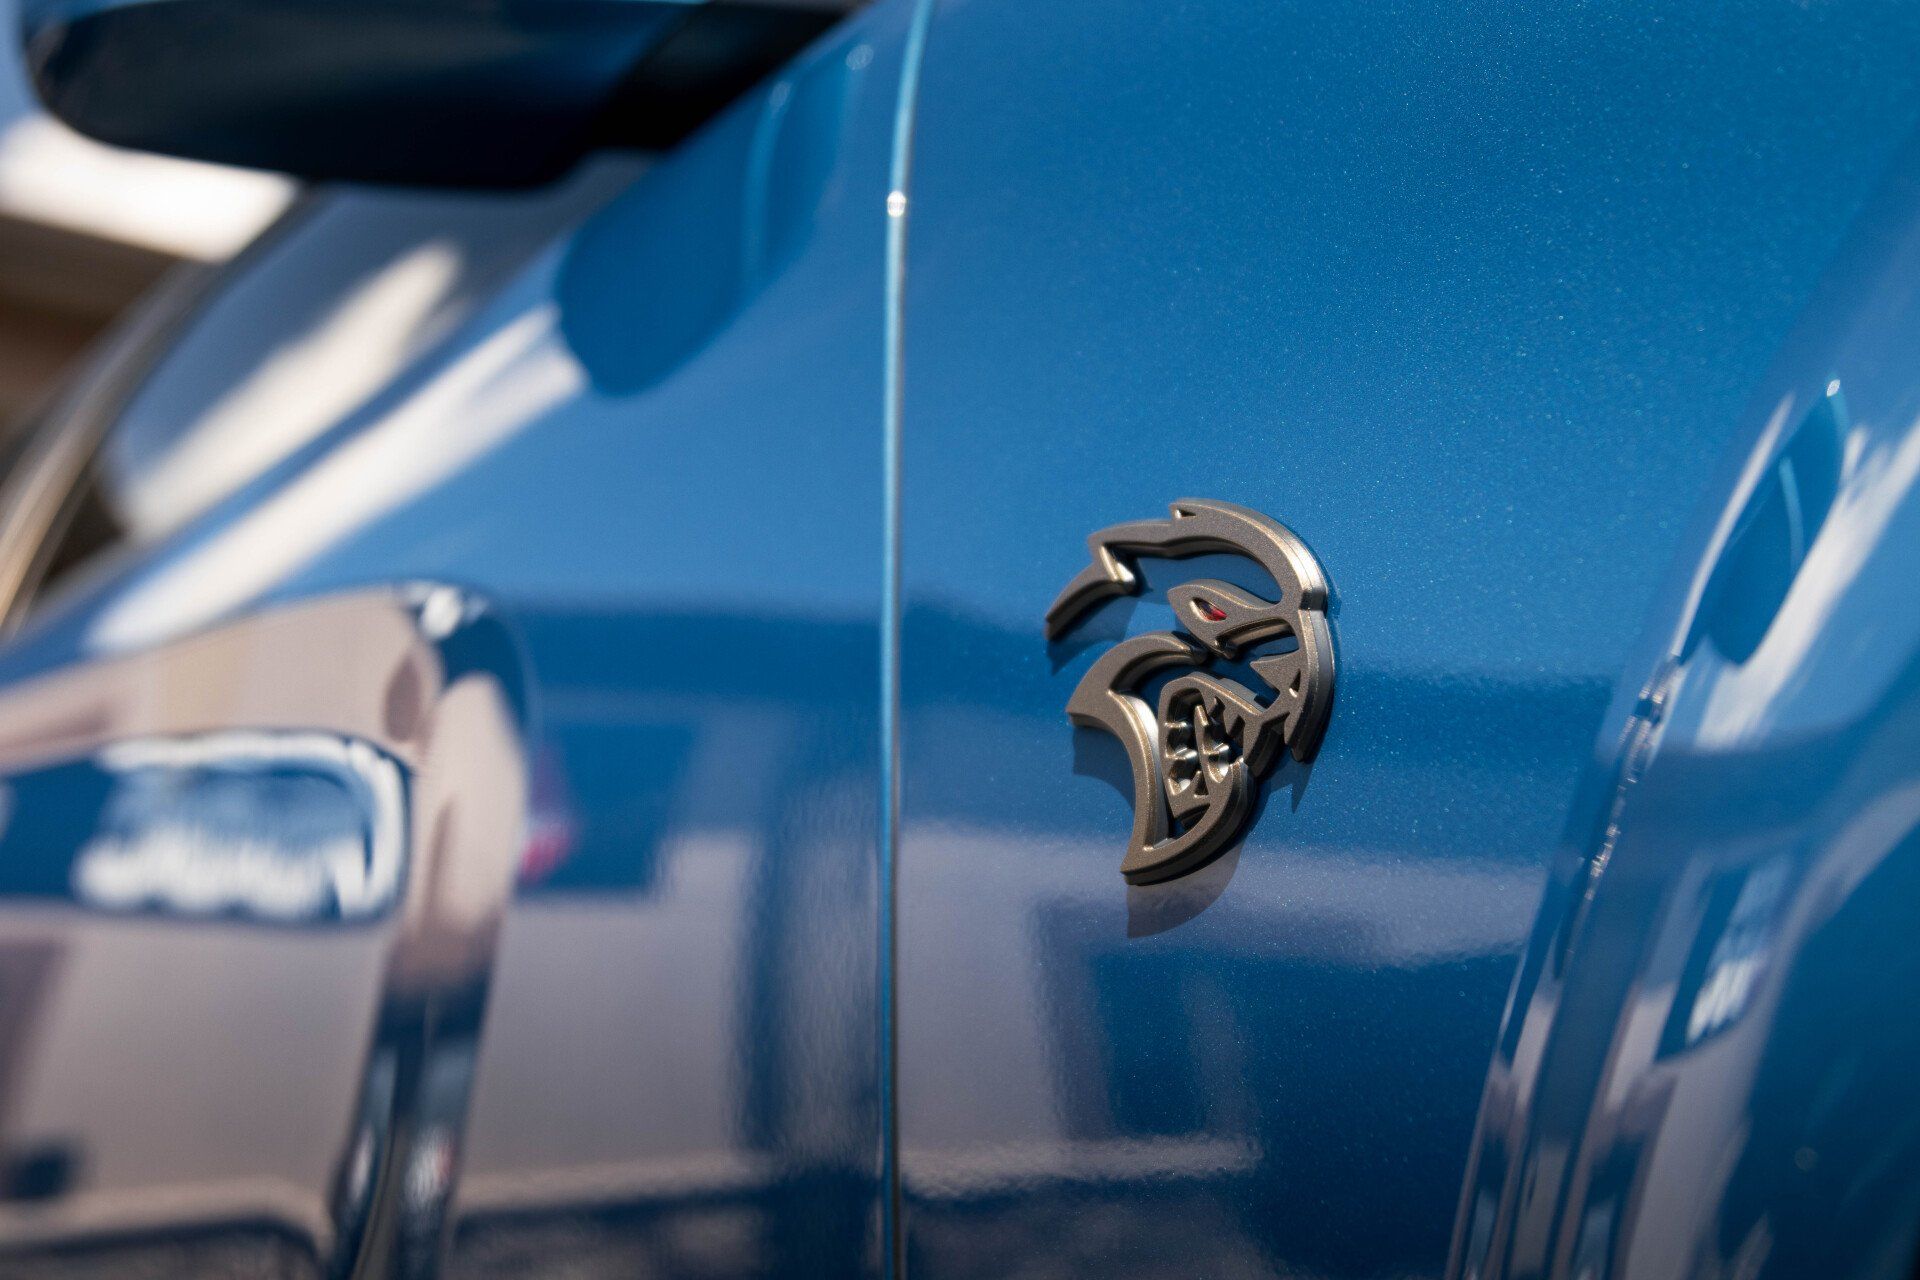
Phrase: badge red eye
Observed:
(1199, 743)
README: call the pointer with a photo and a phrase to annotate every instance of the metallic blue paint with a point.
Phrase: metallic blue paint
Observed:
(1705, 1065)
(1574, 343)
(1472, 300)
(653, 451)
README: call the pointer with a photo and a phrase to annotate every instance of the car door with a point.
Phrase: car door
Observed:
(443, 764)
(1481, 305)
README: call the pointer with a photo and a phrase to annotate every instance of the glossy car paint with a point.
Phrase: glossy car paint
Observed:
(1705, 1065)
(277, 855)
(1479, 303)
(756, 483)
(652, 457)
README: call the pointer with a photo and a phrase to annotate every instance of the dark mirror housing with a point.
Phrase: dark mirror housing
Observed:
(479, 93)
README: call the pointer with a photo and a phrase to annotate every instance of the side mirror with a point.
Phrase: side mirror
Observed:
(483, 93)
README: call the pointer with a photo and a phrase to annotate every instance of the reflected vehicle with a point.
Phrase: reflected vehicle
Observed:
(531, 741)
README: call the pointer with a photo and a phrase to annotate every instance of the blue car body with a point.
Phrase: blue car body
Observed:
(642, 583)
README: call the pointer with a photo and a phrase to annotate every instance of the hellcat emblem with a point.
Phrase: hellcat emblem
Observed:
(1198, 757)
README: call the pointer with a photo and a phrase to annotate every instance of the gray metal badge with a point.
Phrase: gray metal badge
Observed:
(1198, 757)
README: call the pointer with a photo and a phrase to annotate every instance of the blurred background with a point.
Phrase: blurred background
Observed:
(86, 229)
